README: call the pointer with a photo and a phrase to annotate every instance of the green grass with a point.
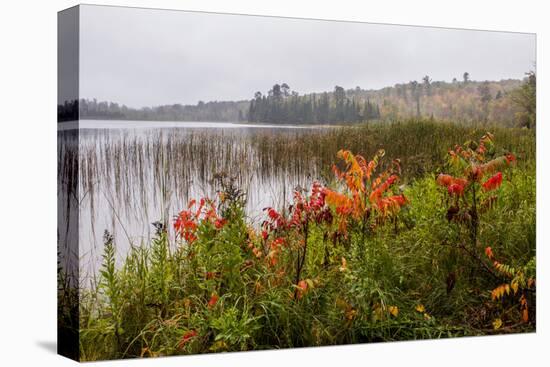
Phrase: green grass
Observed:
(160, 294)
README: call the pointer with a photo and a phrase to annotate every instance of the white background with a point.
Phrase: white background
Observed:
(28, 182)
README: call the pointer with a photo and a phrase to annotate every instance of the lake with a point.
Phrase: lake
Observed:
(133, 173)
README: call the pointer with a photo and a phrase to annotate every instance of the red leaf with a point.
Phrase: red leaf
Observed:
(219, 223)
(455, 189)
(448, 180)
(187, 336)
(377, 193)
(213, 300)
(493, 182)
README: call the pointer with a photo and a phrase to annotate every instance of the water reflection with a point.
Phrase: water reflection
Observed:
(131, 177)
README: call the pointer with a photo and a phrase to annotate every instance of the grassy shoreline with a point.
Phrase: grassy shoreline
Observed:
(225, 286)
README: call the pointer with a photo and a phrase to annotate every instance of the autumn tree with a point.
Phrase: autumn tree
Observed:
(485, 96)
(426, 81)
(416, 92)
(525, 97)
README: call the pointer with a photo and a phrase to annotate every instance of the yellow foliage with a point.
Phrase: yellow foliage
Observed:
(515, 286)
(499, 291)
(350, 314)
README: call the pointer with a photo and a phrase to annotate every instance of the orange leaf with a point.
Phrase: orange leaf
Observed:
(489, 252)
(448, 180)
(525, 315)
(302, 288)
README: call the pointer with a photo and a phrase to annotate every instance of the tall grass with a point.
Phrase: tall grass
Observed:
(160, 297)
(127, 178)
(185, 160)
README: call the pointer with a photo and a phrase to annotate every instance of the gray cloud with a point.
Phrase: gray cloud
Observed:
(143, 57)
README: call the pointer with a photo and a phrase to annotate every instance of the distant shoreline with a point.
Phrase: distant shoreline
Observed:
(152, 124)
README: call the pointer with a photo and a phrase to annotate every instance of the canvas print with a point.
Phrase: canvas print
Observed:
(235, 183)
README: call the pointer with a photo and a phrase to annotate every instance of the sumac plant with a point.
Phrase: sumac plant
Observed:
(518, 284)
(188, 221)
(306, 209)
(362, 198)
(473, 190)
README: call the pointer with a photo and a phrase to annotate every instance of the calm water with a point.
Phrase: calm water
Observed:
(133, 173)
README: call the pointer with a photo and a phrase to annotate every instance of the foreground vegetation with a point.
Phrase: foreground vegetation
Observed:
(377, 252)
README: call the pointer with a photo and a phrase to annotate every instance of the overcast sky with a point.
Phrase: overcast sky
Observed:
(143, 57)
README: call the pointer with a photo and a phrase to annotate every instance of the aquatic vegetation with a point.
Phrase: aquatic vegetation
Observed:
(128, 179)
(366, 253)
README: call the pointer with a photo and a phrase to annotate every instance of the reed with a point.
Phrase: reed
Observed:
(162, 296)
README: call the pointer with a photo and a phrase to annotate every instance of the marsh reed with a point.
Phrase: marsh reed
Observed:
(129, 178)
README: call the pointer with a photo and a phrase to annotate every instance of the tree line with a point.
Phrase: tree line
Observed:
(202, 111)
(281, 105)
(508, 102)
(68, 111)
